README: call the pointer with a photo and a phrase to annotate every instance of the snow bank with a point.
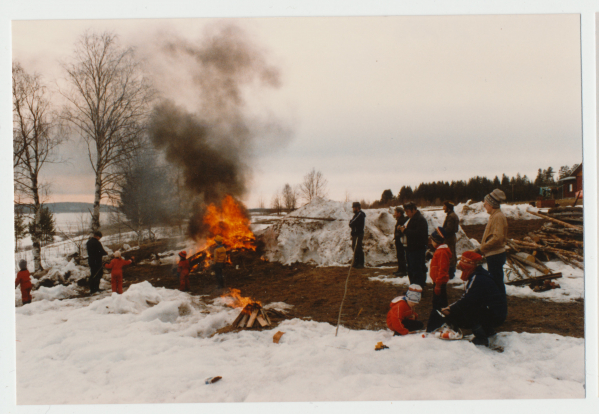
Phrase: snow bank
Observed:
(475, 213)
(328, 243)
(125, 349)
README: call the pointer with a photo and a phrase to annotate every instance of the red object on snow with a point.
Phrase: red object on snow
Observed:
(400, 310)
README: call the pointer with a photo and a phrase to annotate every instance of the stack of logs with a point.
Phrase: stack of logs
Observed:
(561, 237)
(250, 314)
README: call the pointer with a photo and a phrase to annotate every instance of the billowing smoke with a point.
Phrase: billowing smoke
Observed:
(213, 145)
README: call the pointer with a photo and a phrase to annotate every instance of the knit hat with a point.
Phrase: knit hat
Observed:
(468, 262)
(218, 239)
(23, 264)
(495, 198)
(356, 204)
(117, 254)
(183, 254)
(439, 235)
(414, 293)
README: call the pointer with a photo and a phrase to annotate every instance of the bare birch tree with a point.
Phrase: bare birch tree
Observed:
(109, 100)
(314, 186)
(37, 131)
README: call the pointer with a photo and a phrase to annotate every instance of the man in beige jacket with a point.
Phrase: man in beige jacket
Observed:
(495, 237)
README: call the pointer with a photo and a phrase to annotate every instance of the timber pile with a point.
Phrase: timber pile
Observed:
(560, 238)
(251, 313)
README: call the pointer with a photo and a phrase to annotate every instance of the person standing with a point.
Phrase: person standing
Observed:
(95, 252)
(451, 225)
(24, 279)
(439, 272)
(183, 269)
(399, 247)
(416, 232)
(357, 224)
(116, 271)
(220, 258)
(495, 237)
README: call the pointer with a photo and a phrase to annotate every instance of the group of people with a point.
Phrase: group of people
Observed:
(482, 307)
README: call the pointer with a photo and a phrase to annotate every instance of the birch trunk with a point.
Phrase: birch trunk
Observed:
(37, 228)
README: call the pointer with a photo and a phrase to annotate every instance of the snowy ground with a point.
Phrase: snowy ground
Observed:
(154, 346)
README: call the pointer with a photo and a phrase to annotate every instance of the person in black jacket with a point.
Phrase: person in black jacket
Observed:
(483, 307)
(357, 234)
(95, 252)
(400, 219)
(416, 232)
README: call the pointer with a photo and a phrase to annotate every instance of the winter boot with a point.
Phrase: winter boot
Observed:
(480, 337)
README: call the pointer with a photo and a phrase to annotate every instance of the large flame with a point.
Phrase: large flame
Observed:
(230, 222)
(234, 299)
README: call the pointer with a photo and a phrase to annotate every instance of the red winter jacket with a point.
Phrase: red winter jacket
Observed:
(117, 265)
(183, 267)
(440, 265)
(400, 310)
(23, 278)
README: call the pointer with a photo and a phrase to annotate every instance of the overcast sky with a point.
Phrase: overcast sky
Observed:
(372, 102)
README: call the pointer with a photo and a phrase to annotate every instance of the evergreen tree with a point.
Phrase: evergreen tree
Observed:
(20, 227)
(47, 229)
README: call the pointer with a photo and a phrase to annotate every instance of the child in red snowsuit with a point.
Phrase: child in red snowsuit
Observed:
(24, 279)
(439, 271)
(183, 270)
(116, 273)
(402, 318)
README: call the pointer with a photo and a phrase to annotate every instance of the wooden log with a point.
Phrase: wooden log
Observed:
(535, 246)
(261, 320)
(252, 318)
(569, 261)
(513, 268)
(265, 316)
(239, 317)
(243, 320)
(309, 218)
(528, 281)
(542, 268)
(516, 265)
(556, 221)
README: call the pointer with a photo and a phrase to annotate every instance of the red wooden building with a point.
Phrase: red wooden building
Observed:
(572, 184)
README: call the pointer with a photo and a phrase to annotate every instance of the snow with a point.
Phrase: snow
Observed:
(475, 213)
(328, 243)
(154, 345)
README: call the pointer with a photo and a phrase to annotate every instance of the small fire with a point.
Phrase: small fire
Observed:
(234, 299)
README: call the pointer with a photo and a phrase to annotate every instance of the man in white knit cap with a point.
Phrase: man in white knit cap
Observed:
(495, 237)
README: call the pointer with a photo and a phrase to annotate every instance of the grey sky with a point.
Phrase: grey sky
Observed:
(374, 103)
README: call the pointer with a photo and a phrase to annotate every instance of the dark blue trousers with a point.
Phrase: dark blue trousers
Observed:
(495, 267)
(416, 266)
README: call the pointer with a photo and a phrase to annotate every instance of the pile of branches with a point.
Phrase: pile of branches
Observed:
(560, 238)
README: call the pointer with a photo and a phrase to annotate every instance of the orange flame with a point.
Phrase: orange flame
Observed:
(231, 223)
(234, 299)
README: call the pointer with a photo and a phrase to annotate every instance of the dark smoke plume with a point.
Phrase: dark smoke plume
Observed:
(213, 145)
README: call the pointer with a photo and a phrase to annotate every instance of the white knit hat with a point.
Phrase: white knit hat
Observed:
(414, 293)
(117, 253)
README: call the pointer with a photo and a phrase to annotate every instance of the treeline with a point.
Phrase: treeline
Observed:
(518, 188)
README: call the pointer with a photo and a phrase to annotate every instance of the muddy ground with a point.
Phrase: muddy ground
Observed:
(316, 293)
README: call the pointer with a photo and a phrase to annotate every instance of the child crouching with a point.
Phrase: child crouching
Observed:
(116, 273)
(24, 279)
(402, 318)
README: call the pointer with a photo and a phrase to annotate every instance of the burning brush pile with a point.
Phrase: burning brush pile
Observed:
(231, 223)
(560, 238)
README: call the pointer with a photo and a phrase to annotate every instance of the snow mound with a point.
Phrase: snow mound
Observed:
(328, 243)
(136, 299)
(475, 213)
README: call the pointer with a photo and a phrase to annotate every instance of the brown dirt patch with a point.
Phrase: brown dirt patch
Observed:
(316, 293)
